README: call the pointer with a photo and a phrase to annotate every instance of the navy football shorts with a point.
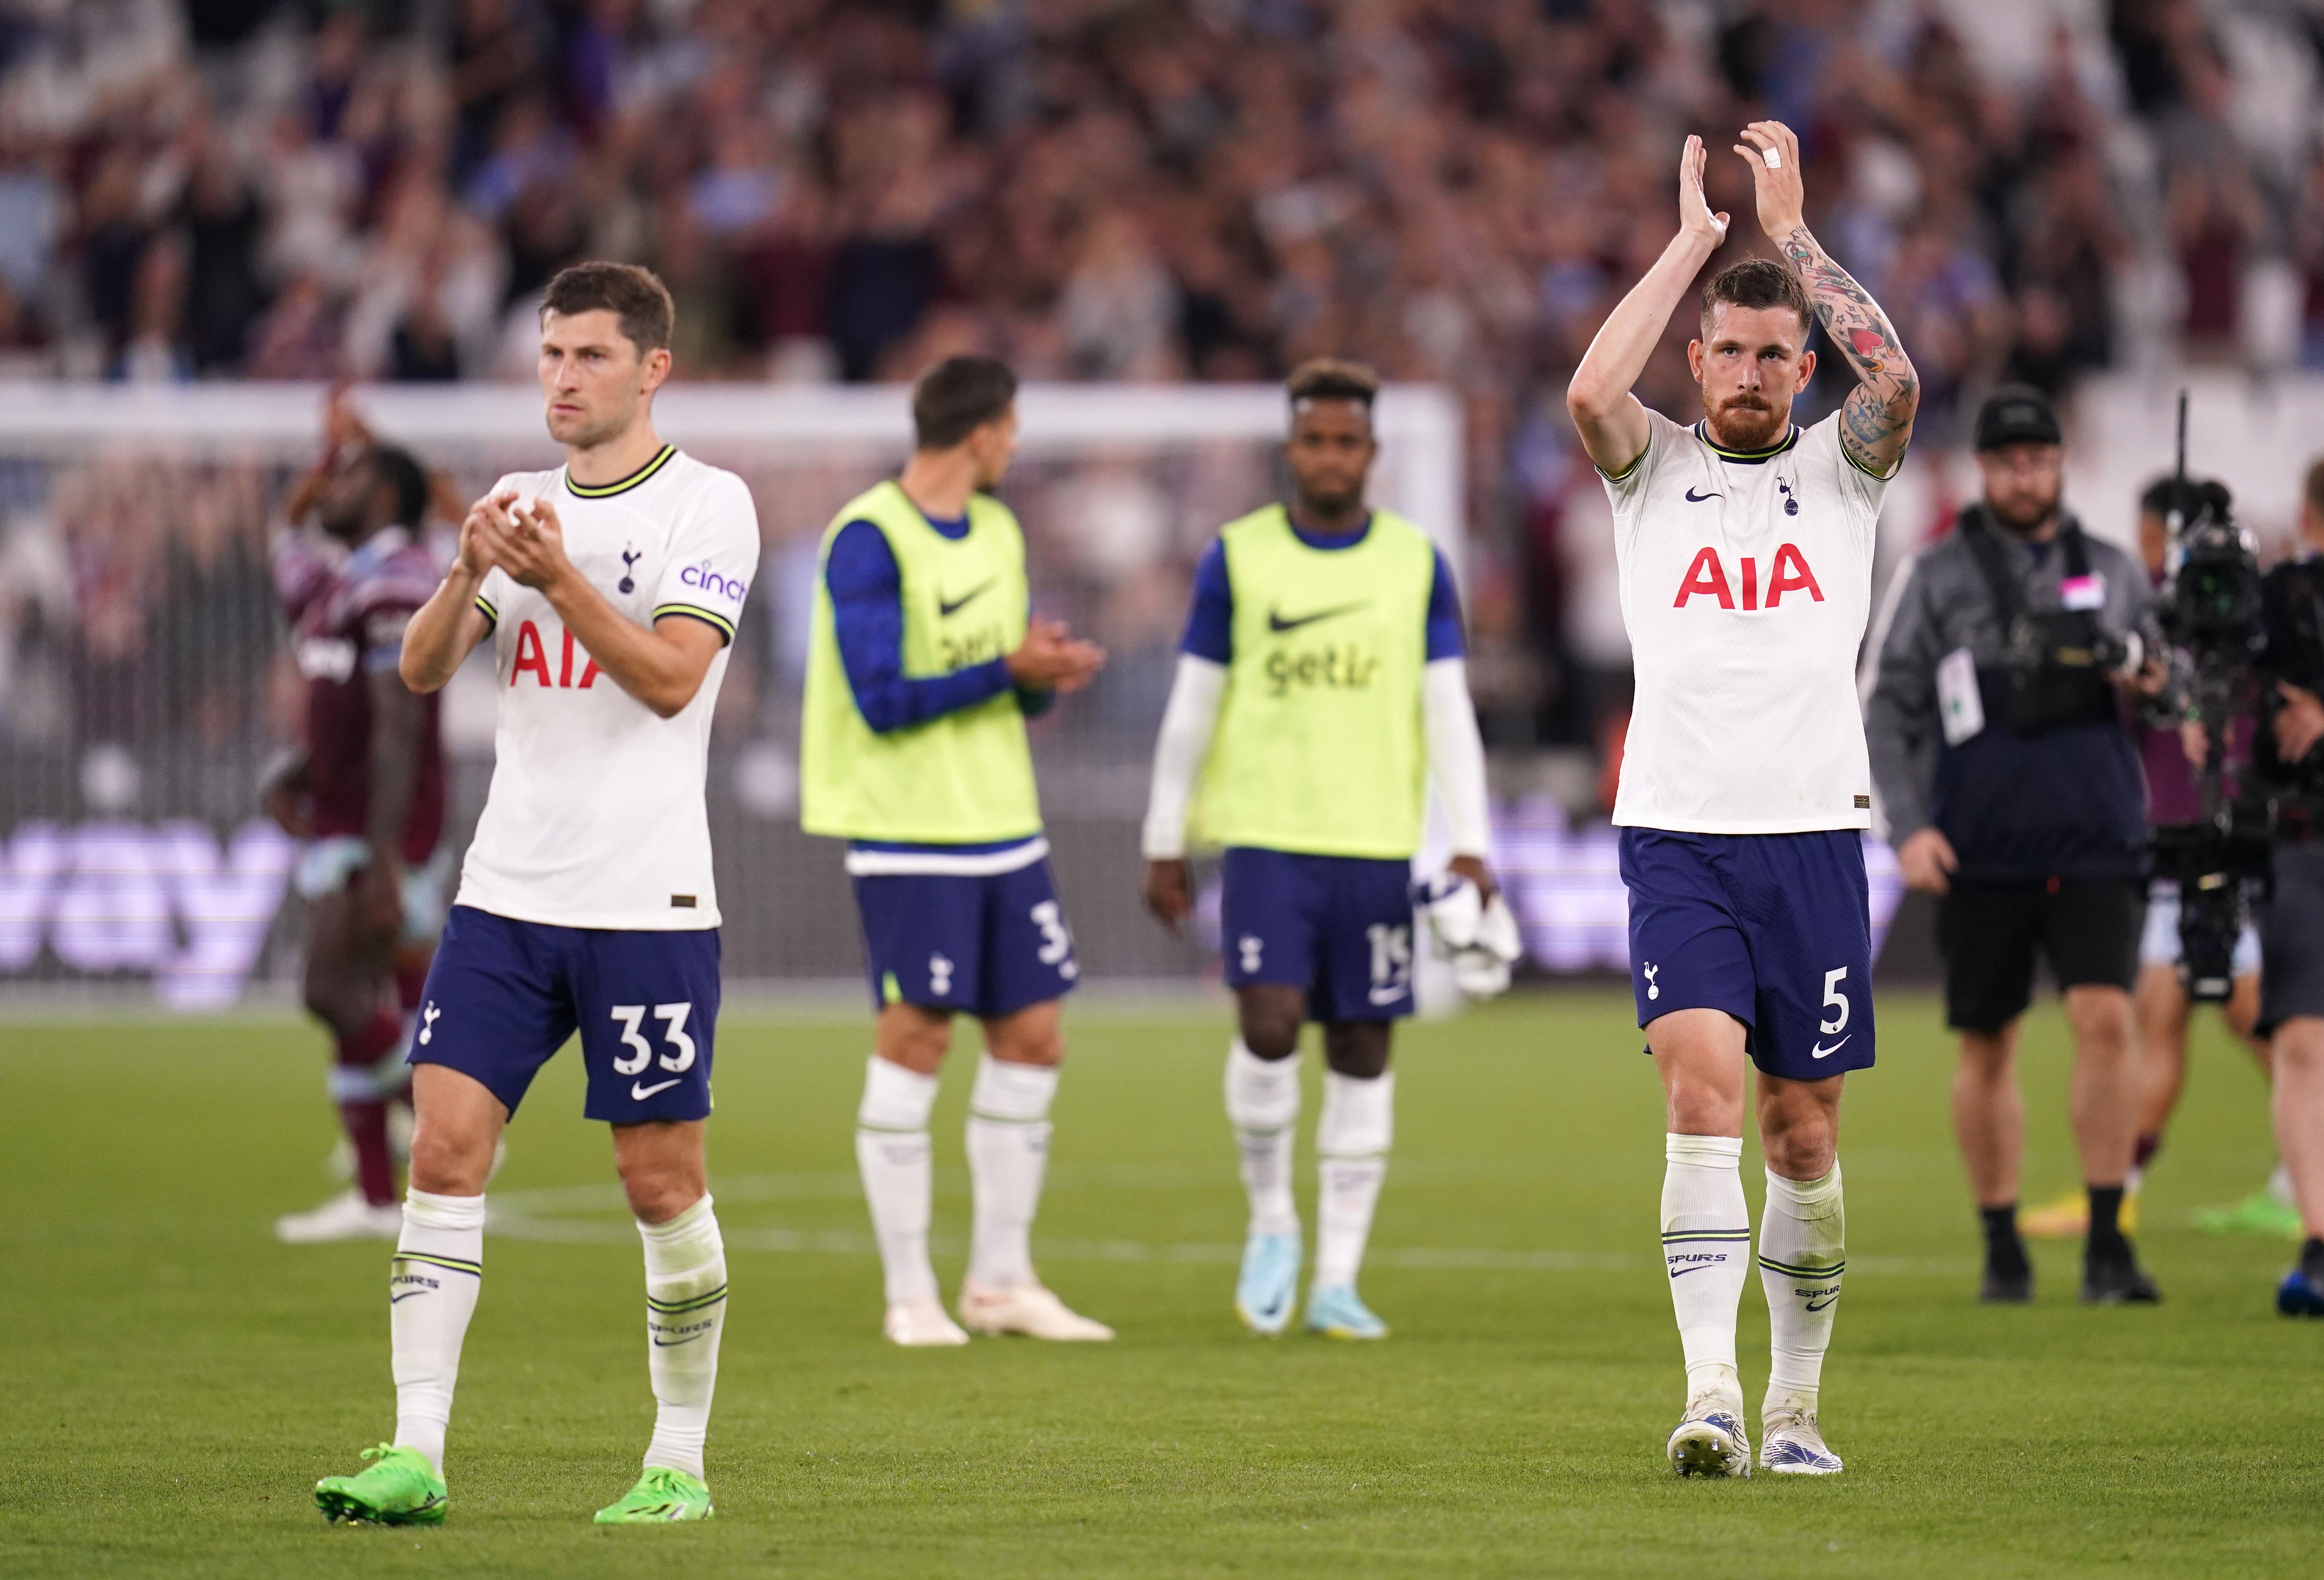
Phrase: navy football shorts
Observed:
(987, 946)
(1338, 926)
(504, 995)
(1774, 928)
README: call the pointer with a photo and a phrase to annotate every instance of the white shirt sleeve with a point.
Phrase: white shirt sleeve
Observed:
(1187, 723)
(1456, 755)
(712, 556)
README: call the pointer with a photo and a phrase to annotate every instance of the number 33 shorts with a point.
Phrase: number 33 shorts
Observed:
(504, 995)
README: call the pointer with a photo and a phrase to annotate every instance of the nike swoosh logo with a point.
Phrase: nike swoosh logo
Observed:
(673, 1344)
(1694, 498)
(1821, 1051)
(399, 1300)
(1813, 1306)
(1697, 1267)
(1279, 624)
(948, 607)
(640, 1094)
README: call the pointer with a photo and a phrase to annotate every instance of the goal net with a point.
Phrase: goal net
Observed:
(145, 679)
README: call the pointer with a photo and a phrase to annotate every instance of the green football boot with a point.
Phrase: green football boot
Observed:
(662, 1497)
(398, 1487)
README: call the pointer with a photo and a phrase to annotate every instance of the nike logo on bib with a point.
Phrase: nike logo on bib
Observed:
(1279, 624)
(948, 607)
(1694, 498)
(1821, 1051)
(638, 1094)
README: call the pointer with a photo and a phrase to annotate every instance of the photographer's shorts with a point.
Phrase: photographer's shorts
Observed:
(2291, 938)
(1990, 935)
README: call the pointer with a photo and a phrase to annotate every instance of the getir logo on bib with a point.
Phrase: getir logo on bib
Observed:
(1788, 573)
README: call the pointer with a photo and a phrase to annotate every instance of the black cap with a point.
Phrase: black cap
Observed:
(2018, 414)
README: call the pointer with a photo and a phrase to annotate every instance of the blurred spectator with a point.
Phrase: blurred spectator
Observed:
(1454, 190)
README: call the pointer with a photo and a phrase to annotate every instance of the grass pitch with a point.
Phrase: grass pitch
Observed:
(175, 1380)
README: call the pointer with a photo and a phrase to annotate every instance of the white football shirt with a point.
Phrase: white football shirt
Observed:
(1745, 584)
(596, 815)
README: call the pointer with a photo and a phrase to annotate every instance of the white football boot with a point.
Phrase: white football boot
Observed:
(1711, 1440)
(921, 1324)
(1030, 1309)
(1792, 1444)
(345, 1217)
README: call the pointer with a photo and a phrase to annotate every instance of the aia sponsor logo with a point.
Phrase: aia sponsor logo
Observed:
(1707, 578)
(532, 658)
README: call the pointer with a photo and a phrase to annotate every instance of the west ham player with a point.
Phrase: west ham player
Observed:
(923, 663)
(1744, 548)
(609, 588)
(366, 791)
(1322, 682)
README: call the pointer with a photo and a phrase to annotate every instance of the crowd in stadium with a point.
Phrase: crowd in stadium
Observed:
(1450, 190)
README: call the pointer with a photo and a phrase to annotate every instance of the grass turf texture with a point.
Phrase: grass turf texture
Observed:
(175, 1382)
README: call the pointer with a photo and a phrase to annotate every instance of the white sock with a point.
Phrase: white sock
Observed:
(2279, 1183)
(432, 1287)
(1802, 1251)
(1707, 1252)
(1008, 1152)
(1263, 1107)
(1351, 1143)
(686, 1313)
(891, 1149)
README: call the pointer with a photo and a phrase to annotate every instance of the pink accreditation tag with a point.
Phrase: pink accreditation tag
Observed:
(2083, 592)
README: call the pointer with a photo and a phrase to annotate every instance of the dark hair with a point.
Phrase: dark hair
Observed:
(2164, 495)
(636, 296)
(958, 396)
(1327, 378)
(1757, 282)
(396, 466)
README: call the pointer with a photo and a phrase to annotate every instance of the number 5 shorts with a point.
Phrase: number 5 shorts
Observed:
(1339, 927)
(1776, 930)
(985, 943)
(504, 995)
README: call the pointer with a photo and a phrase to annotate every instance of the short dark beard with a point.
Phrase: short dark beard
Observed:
(1341, 514)
(1735, 427)
(2025, 529)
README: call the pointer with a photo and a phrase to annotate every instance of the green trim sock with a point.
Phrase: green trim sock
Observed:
(432, 1285)
(685, 1314)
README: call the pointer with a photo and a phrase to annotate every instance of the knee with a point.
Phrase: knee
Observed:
(1033, 1045)
(1271, 1037)
(1805, 1149)
(1988, 1061)
(1356, 1049)
(445, 1163)
(657, 1195)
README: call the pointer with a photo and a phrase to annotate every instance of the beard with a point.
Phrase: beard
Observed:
(1746, 422)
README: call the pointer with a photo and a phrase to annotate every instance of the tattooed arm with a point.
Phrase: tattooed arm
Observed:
(1877, 423)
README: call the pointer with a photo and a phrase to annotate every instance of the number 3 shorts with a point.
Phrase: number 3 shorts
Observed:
(986, 944)
(504, 995)
(1774, 928)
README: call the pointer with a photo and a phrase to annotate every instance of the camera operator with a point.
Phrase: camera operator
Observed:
(2171, 751)
(2011, 789)
(2288, 760)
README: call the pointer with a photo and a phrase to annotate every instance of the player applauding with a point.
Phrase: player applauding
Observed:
(923, 665)
(1745, 545)
(1322, 682)
(610, 589)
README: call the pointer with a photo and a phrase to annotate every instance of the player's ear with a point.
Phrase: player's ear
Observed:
(657, 368)
(1694, 359)
(1807, 367)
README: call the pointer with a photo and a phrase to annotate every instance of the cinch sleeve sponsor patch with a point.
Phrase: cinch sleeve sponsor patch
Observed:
(713, 555)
